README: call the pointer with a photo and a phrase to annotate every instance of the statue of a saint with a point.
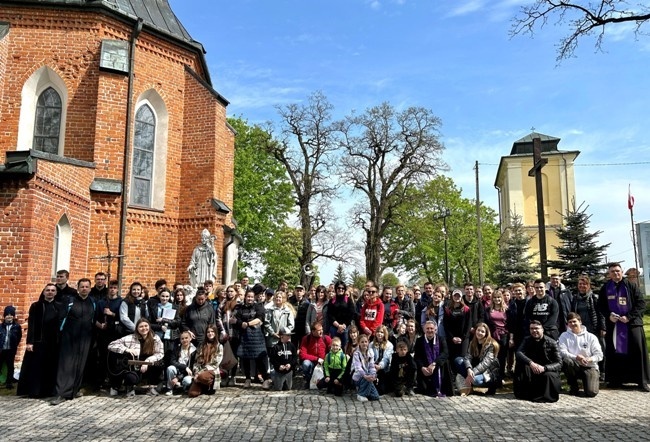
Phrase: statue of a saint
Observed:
(204, 261)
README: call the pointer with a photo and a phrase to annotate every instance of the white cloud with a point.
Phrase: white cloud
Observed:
(467, 7)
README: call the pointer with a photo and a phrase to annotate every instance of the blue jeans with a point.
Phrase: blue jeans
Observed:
(479, 379)
(307, 368)
(367, 389)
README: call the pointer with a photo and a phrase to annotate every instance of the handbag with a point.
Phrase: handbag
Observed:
(229, 360)
(316, 376)
(205, 377)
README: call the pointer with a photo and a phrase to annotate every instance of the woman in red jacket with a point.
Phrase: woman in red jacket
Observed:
(372, 313)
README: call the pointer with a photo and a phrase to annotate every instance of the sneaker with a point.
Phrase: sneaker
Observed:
(231, 382)
(410, 392)
(362, 398)
(112, 392)
(247, 383)
(130, 392)
(79, 394)
(169, 393)
(267, 384)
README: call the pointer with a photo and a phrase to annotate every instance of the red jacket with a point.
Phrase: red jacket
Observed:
(372, 316)
(313, 349)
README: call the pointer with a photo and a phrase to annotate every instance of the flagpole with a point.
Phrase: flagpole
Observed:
(630, 205)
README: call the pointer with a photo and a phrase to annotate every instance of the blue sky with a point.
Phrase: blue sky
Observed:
(456, 58)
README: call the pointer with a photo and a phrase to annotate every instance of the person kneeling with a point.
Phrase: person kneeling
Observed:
(432, 360)
(207, 375)
(334, 369)
(365, 374)
(581, 352)
(283, 358)
(537, 373)
(142, 346)
(480, 366)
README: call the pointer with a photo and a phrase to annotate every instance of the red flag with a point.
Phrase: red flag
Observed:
(630, 198)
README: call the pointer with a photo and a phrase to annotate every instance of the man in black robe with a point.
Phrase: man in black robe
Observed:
(537, 372)
(626, 353)
(76, 338)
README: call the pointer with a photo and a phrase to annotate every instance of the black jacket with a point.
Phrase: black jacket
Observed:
(543, 352)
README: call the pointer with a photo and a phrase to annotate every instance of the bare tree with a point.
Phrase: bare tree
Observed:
(582, 17)
(385, 152)
(306, 150)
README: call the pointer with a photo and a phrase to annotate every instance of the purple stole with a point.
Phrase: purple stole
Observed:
(433, 351)
(618, 301)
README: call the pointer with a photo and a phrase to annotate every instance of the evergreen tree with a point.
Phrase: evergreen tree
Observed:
(514, 259)
(357, 279)
(579, 252)
(340, 275)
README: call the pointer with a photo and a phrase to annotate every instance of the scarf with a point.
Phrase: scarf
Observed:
(618, 301)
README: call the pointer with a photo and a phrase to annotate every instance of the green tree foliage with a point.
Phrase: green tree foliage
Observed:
(262, 193)
(282, 258)
(340, 275)
(514, 258)
(579, 252)
(415, 241)
(358, 280)
(390, 280)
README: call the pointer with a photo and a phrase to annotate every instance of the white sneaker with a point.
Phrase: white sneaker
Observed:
(130, 392)
(362, 398)
(112, 392)
(169, 393)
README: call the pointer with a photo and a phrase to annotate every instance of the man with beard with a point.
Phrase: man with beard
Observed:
(544, 309)
(76, 338)
(537, 373)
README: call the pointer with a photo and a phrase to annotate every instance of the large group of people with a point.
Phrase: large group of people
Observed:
(377, 341)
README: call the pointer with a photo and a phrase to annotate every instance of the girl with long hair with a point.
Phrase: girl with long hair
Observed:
(480, 365)
(144, 346)
(207, 376)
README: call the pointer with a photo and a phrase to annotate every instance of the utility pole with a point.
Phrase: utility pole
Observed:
(536, 171)
(481, 276)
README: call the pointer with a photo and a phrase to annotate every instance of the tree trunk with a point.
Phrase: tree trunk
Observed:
(306, 251)
(373, 258)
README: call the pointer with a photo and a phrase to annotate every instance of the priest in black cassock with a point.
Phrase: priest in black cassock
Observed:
(76, 338)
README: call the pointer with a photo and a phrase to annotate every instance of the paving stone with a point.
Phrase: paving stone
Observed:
(235, 414)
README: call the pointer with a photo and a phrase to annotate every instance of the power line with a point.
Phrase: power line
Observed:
(587, 165)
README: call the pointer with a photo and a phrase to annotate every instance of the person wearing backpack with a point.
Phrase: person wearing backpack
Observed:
(334, 369)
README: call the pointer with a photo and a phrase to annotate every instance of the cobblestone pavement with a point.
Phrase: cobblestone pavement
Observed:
(234, 414)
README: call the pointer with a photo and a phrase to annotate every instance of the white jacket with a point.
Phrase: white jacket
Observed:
(583, 343)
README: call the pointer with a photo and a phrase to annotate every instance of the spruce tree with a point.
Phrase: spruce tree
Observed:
(514, 258)
(340, 275)
(579, 252)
